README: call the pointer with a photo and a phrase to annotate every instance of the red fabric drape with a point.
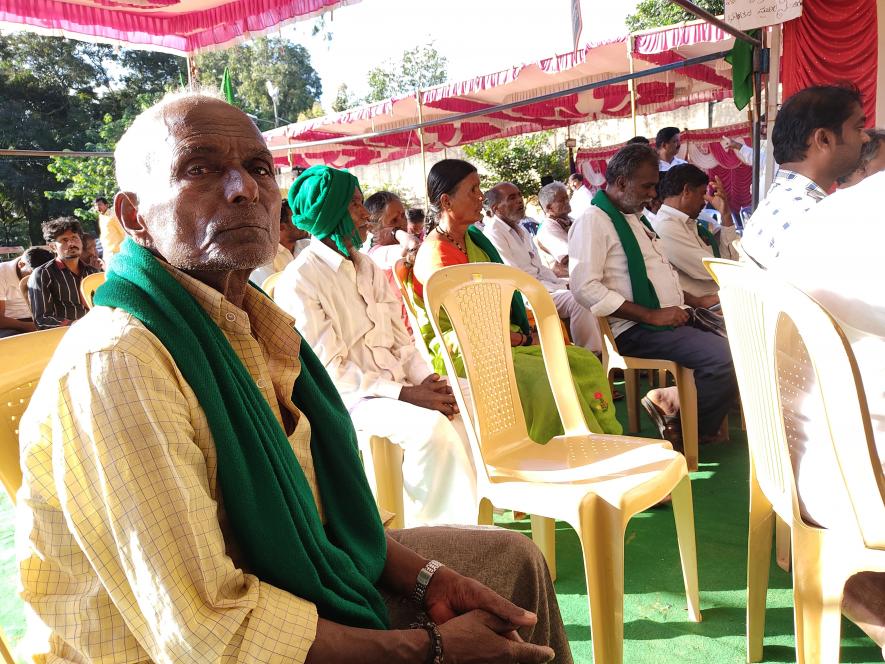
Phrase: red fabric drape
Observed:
(834, 41)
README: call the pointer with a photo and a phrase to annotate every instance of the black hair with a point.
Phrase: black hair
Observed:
(55, 227)
(627, 161)
(376, 203)
(444, 178)
(415, 215)
(285, 212)
(101, 199)
(817, 107)
(36, 256)
(638, 139)
(576, 177)
(87, 236)
(665, 135)
(546, 179)
(674, 181)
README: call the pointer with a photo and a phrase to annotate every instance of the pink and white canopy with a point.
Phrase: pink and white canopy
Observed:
(596, 63)
(174, 26)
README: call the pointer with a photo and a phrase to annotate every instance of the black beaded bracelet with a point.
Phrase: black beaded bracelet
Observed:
(435, 652)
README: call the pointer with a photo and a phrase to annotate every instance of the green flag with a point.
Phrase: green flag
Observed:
(227, 87)
(741, 61)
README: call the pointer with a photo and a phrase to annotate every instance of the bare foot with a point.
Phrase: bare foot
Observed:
(863, 603)
(666, 399)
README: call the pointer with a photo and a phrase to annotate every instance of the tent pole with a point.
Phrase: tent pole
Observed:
(190, 72)
(632, 84)
(423, 153)
(771, 98)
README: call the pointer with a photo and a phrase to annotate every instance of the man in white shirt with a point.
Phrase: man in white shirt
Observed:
(834, 261)
(15, 312)
(687, 241)
(618, 269)
(345, 308)
(517, 249)
(552, 237)
(292, 241)
(580, 196)
(667, 144)
(817, 138)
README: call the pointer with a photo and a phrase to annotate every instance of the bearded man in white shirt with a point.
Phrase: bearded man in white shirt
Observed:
(517, 249)
(579, 194)
(344, 307)
(618, 269)
(686, 240)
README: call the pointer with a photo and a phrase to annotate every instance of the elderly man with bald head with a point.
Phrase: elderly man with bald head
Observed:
(517, 248)
(192, 490)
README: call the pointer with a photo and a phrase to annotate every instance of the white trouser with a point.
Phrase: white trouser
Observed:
(582, 323)
(439, 481)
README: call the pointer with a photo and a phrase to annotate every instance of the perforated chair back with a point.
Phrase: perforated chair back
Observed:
(89, 284)
(18, 379)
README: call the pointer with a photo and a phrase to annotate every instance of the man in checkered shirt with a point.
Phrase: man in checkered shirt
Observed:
(817, 138)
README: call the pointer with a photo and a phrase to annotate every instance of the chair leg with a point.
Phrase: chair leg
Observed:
(688, 415)
(544, 536)
(818, 583)
(758, 565)
(601, 532)
(387, 460)
(486, 513)
(5, 650)
(631, 387)
(782, 541)
(683, 513)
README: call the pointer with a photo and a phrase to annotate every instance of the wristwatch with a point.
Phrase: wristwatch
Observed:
(423, 581)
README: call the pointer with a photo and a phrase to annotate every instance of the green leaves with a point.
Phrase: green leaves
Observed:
(522, 160)
(419, 68)
(655, 13)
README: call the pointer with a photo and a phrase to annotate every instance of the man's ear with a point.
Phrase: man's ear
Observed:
(822, 139)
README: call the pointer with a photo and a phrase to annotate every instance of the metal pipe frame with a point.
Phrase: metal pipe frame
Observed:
(691, 7)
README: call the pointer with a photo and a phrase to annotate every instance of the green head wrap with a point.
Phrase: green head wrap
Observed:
(319, 199)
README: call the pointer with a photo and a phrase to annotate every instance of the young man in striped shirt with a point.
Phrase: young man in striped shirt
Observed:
(54, 288)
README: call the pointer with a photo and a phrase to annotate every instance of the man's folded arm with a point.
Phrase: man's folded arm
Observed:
(135, 493)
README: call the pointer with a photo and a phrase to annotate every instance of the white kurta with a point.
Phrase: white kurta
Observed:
(836, 260)
(599, 275)
(686, 250)
(580, 201)
(348, 313)
(517, 249)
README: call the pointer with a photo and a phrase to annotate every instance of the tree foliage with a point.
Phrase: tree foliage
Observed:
(655, 13)
(251, 65)
(344, 99)
(418, 68)
(522, 160)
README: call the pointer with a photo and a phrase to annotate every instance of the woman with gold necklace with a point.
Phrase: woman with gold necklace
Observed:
(450, 239)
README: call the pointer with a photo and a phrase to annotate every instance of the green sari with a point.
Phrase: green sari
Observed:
(538, 406)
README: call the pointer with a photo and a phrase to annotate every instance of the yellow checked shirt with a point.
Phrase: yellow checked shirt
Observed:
(124, 551)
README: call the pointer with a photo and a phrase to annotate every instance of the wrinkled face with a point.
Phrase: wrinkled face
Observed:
(559, 207)
(464, 204)
(638, 191)
(359, 214)
(394, 216)
(211, 203)
(846, 151)
(68, 245)
(511, 207)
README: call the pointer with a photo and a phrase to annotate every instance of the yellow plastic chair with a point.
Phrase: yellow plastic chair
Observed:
(17, 382)
(684, 377)
(594, 482)
(89, 284)
(782, 340)
(269, 284)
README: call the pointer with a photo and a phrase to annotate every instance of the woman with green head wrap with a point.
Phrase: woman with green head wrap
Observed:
(321, 199)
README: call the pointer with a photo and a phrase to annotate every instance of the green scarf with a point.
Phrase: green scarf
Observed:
(644, 293)
(319, 199)
(518, 315)
(708, 237)
(268, 500)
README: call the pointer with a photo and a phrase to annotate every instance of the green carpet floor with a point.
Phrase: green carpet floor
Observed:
(656, 626)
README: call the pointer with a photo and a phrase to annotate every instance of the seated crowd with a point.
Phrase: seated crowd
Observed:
(193, 489)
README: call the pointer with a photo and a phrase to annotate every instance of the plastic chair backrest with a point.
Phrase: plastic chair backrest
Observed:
(269, 284)
(611, 358)
(477, 297)
(777, 332)
(89, 284)
(18, 379)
